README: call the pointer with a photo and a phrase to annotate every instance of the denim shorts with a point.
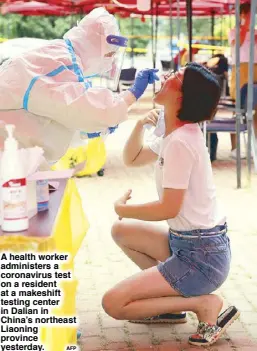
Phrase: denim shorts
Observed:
(199, 262)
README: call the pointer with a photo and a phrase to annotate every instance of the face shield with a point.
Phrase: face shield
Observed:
(111, 63)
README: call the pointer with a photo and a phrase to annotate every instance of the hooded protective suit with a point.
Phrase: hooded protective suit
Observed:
(44, 94)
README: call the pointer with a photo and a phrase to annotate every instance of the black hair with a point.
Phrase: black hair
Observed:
(218, 55)
(200, 94)
(245, 8)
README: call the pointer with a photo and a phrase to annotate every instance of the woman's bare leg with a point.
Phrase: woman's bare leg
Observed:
(144, 243)
(148, 294)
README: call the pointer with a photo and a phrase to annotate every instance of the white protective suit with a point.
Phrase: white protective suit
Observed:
(41, 94)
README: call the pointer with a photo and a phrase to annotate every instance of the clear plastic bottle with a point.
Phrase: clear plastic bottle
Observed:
(13, 186)
(42, 195)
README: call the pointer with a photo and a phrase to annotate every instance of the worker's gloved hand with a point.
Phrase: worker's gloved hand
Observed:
(143, 78)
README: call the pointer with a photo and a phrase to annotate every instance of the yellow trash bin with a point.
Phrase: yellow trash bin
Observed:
(93, 153)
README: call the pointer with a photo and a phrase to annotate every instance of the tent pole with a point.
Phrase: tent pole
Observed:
(178, 31)
(221, 27)
(155, 42)
(152, 33)
(153, 45)
(189, 27)
(230, 17)
(212, 29)
(132, 23)
(249, 114)
(238, 96)
(171, 35)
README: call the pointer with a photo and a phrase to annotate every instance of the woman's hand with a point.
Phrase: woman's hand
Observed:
(150, 118)
(119, 204)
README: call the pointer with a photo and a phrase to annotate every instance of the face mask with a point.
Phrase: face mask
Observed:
(160, 126)
(98, 66)
(242, 21)
(106, 64)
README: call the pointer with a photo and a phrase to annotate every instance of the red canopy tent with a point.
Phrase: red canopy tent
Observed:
(169, 8)
(31, 8)
(35, 8)
(123, 7)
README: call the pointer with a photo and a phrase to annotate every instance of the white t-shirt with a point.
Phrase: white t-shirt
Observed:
(244, 48)
(184, 163)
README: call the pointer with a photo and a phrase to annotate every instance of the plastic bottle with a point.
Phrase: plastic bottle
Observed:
(42, 195)
(13, 186)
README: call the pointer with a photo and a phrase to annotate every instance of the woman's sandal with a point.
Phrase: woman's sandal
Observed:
(227, 317)
(208, 334)
(163, 318)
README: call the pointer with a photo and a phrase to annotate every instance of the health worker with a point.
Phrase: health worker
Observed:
(52, 92)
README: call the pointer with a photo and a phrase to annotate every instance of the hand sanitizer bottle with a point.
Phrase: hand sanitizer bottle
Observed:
(13, 186)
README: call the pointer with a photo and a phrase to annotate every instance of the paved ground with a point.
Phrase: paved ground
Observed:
(100, 264)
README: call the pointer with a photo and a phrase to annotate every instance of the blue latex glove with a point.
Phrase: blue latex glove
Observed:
(143, 78)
